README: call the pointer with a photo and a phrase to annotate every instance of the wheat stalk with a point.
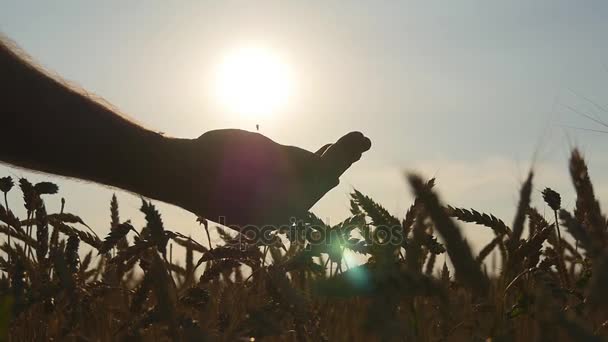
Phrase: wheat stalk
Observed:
(459, 251)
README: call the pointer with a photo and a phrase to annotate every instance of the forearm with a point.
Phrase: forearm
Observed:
(50, 127)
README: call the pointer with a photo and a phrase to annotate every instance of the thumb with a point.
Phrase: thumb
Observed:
(334, 160)
(342, 154)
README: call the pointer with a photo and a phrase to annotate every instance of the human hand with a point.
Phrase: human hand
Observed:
(244, 178)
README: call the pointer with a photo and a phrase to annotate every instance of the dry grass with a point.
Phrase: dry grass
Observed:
(548, 284)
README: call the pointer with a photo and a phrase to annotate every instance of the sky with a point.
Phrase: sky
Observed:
(473, 93)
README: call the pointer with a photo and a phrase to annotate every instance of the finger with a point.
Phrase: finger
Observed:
(322, 149)
(347, 150)
(335, 159)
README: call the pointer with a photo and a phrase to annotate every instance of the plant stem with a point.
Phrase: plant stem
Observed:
(27, 230)
(264, 256)
(208, 237)
(562, 264)
(559, 236)
(170, 259)
(401, 255)
(9, 229)
(346, 262)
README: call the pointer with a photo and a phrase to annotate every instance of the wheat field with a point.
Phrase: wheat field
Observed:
(545, 280)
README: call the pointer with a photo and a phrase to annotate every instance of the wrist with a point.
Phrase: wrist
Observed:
(165, 169)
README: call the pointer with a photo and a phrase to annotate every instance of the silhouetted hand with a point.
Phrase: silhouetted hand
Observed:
(244, 178)
(241, 176)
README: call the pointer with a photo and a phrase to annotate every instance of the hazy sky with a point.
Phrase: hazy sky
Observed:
(466, 91)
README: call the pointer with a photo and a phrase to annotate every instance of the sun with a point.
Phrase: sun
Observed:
(253, 82)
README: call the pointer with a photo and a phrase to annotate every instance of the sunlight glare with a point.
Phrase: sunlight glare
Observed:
(253, 82)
